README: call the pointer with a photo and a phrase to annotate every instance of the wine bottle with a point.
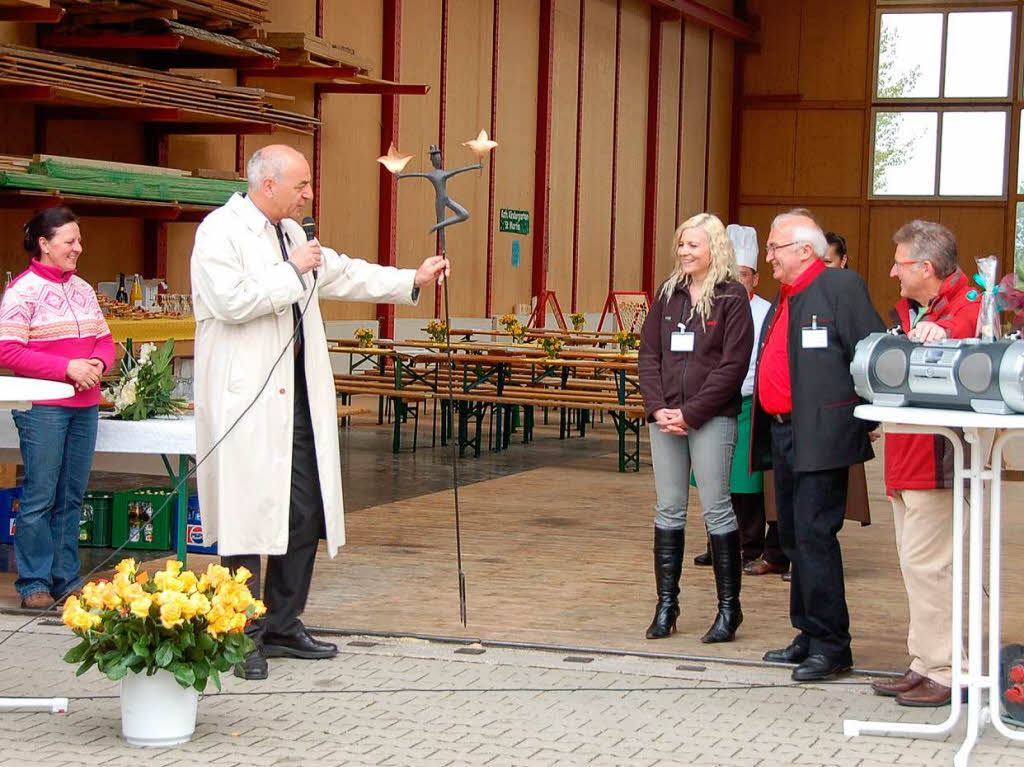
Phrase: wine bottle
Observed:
(122, 291)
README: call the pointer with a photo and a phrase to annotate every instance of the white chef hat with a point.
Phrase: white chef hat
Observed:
(744, 240)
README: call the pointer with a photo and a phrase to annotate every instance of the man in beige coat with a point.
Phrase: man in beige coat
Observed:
(263, 378)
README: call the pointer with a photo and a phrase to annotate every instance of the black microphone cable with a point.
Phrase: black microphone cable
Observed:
(182, 484)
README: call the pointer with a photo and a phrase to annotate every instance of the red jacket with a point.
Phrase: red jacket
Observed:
(925, 461)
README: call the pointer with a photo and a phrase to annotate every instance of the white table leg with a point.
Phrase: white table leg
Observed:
(995, 572)
(853, 727)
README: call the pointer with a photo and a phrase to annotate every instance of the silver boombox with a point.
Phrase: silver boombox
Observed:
(962, 374)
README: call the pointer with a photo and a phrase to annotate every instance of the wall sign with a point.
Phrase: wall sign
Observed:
(515, 221)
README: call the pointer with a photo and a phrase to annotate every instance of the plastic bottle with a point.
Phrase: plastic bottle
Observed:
(136, 294)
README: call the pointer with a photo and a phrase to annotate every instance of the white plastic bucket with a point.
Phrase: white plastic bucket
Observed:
(156, 710)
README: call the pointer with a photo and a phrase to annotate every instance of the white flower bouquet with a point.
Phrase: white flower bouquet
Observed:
(146, 383)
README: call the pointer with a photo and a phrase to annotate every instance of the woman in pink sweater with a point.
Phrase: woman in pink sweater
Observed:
(51, 326)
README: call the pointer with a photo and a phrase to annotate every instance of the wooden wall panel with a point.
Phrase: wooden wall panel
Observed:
(632, 148)
(596, 181)
(418, 122)
(884, 222)
(768, 152)
(828, 153)
(292, 16)
(845, 220)
(775, 68)
(563, 151)
(720, 150)
(834, 54)
(468, 112)
(693, 139)
(350, 145)
(517, 131)
(668, 151)
(760, 217)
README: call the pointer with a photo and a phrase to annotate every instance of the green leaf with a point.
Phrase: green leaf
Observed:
(164, 655)
(77, 653)
(215, 676)
(141, 647)
(85, 666)
(117, 671)
(184, 674)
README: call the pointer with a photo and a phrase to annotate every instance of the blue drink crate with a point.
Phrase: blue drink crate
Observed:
(194, 529)
(10, 502)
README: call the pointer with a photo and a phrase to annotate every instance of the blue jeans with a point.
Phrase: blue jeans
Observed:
(57, 446)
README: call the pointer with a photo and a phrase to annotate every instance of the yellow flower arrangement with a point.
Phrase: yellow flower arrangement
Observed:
(578, 320)
(191, 626)
(364, 336)
(626, 339)
(438, 330)
(551, 345)
(518, 332)
(508, 320)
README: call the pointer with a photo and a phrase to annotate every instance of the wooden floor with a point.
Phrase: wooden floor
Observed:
(561, 554)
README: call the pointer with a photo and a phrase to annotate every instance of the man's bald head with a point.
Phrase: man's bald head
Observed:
(279, 181)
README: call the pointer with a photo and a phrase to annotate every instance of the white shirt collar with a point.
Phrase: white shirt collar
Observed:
(253, 217)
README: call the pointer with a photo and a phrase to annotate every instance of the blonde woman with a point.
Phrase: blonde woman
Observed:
(694, 355)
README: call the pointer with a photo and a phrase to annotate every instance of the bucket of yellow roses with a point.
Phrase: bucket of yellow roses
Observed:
(164, 638)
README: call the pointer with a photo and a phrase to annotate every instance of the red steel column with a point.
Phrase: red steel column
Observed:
(653, 146)
(442, 126)
(489, 286)
(615, 144)
(542, 175)
(386, 231)
(579, 164)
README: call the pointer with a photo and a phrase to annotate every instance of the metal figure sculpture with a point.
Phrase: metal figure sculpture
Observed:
(438, 177)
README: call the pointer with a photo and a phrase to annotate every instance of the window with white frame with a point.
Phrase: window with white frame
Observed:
(941, 103)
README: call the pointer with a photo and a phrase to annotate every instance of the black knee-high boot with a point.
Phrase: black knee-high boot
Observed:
(668, 565)
(728, 565)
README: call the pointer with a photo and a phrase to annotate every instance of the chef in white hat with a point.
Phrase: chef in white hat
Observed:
(762, 553)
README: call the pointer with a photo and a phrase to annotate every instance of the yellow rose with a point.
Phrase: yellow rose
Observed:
(188, 581)
(242, 575)
(216, 574)
(204, 583)
(84, 621)
(261, 609)
(71, 606)
(91, 595)
(173, 566)
(127, 567)
(140, 606)
(200, 604)
(167, 582)
(170, 615)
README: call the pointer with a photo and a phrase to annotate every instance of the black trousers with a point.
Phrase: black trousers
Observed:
(290, 574)
(749, 508)
(811, 507)
(772, 547)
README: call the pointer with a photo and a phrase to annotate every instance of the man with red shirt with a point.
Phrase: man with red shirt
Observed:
(804, 429)
(919, 467)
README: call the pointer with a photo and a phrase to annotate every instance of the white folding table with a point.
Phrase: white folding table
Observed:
(18, 394)
(978, 429)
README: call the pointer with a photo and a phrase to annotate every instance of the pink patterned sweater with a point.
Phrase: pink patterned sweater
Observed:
(48, 318)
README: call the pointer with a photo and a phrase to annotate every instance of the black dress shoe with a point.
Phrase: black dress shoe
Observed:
(818, 667)
(298, 645)
(795, 653)
(254, 667)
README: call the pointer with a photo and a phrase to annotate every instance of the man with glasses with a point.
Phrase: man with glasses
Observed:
(804, 429)
(919, 467)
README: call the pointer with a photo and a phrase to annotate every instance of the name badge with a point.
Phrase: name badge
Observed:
(682, 341)
(814, 337)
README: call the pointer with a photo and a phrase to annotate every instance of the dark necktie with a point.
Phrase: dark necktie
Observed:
(296, 312)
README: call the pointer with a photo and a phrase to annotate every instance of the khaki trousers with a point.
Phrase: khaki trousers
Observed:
(924, 540)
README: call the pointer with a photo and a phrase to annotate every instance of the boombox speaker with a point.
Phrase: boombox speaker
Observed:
(962, 374)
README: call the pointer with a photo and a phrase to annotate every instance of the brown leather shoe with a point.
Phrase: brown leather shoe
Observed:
(37, 600)
(764, 567)
(928, 694)
(893, 687)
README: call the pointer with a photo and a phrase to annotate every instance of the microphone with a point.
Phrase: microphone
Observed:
(309, 227)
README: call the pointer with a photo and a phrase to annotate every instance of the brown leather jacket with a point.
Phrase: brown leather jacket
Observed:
(705, 382)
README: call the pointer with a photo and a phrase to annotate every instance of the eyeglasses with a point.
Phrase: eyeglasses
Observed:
(771, 249)
(899, 265)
